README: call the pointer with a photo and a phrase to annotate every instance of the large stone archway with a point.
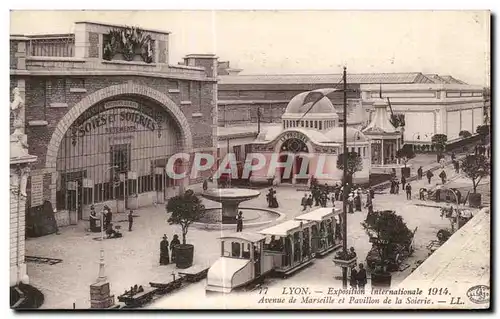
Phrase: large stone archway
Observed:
(109, 92)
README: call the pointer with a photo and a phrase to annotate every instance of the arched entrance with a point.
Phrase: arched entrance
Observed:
(115, 151)
(292, 147)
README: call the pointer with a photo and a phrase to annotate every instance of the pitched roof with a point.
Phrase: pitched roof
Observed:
(443, 79)
(360, 78)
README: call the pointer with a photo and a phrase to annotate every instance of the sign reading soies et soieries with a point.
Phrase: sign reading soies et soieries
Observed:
(125, 117)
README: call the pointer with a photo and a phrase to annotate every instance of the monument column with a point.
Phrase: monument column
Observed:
(19, 172)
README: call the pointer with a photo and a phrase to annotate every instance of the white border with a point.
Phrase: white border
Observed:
(186, 5)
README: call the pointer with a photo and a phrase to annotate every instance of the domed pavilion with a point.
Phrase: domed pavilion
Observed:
(308, 144)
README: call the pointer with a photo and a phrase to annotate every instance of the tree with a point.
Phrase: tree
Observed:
(483, 131)
(464, 134)
(475, 167)
(186, 209)
(389, 236)
(354, 163)
(405, 153)
(439, 142)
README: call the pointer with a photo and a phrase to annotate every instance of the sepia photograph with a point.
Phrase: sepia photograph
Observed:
(250, 160)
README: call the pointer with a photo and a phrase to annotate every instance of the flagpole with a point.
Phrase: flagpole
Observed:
(344, 193)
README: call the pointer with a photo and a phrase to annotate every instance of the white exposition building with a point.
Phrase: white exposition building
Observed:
(429, 104)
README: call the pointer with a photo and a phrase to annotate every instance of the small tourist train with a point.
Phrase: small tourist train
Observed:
(281, 249)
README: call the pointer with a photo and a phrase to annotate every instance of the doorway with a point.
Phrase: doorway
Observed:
(120, 161)
(75, 195)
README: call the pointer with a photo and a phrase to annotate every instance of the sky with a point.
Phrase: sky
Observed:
(453, 43)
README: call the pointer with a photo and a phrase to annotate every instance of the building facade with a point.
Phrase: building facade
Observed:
(429, 109)
(105, 112)
(427, 103)
(307, 145)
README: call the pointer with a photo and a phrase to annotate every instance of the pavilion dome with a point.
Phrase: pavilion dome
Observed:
(297, 106)
(336, 135)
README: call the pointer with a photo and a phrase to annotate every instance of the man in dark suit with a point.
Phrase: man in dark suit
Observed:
(361, 278)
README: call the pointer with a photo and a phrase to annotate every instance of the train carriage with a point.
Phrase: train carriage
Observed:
(326, 235)
(242, 261)
(292, 251)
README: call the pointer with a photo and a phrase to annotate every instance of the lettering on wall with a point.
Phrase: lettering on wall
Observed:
(116, 122)
(296, 135)
(36, 190)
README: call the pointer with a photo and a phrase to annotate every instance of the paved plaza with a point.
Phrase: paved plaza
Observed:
(134, 259)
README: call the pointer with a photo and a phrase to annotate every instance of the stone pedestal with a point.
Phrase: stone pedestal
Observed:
(19, 173)
(100, 296)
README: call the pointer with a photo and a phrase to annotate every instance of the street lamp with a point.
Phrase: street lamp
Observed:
(458, 205)
(102, 277)
(344, 193)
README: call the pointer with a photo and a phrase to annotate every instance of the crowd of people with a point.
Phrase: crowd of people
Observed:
(321, 195)
(106, 217)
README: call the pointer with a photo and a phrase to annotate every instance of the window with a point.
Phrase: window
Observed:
(237, 152)
(158, 182)
(132, 186)
(235, 249)
(359, 151)
(320, 125)
(145, 183)
(248, 149)
(246, 251)
(364, 151)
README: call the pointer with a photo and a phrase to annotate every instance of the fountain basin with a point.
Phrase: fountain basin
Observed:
(253, 217)
(230, 198)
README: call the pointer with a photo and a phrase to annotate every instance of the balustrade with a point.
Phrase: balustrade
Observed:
(60, 46)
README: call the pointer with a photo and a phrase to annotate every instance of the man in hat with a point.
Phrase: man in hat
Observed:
(361, 276)
(420, 172)
(353, 281)
(164, 258)
(429, 176)
(408, 191)
(239, 222)
(310, 201)
(443, 176)
(130, 219)
(304, 202)
(93, 220)
(357, 201)
(109, 216)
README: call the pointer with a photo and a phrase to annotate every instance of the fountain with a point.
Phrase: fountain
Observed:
(230, 199)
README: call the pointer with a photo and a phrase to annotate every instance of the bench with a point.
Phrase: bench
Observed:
(138, 299)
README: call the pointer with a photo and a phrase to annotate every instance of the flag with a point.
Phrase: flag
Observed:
(315, 97)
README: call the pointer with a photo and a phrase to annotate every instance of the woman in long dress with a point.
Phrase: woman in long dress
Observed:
(164, 258)
(350, 202)
(175, 241)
